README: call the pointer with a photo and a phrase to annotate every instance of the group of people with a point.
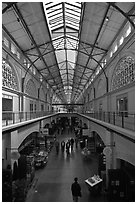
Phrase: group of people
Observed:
(68, 145)
(75, 187)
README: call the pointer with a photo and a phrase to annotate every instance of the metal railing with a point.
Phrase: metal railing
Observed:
(122, 119)
(9, 117)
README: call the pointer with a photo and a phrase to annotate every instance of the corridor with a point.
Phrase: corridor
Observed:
(53, 183)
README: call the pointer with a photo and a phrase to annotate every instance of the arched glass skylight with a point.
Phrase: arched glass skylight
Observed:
(64, 20)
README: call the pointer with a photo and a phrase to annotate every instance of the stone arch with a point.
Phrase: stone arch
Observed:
(24, 133)
(31, 89)
(96, 133)
(126, 157)
(100, 131)
(28, 139)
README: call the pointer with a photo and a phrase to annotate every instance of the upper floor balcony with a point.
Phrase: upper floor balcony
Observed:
(122, 119)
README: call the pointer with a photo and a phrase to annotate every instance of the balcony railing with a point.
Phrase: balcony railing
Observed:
(122, 119)
(9, 117)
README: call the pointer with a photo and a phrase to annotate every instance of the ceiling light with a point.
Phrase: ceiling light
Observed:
(107, 18)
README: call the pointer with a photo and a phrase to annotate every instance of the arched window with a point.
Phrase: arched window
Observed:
(9, 78)
(31, 89)
(101, 88)
(124, 73)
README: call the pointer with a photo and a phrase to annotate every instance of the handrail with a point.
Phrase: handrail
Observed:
(122, 119)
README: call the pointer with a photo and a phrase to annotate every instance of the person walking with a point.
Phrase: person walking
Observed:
(72, 143)
(67, 147)
(63, 145)
(76, 190)
(57, 146)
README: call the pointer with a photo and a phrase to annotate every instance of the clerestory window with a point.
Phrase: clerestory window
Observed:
(124, 73)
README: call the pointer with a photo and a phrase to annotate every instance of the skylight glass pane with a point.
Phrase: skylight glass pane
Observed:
(60, 56)
(66, 26)
(71, 55)
(56, 17)
(56, 24)
(62, 72)
(68, 13)
(53, 6)
(73, 25)
(73, 10)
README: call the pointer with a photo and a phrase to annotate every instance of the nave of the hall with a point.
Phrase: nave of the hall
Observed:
(68, 71)
(53, 182)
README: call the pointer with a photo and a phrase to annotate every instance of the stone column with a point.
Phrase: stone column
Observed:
(6, 149)
(109, 152)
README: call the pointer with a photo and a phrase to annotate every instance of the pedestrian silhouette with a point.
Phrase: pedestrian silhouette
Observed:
(72, 143)
(57, 146)
(76, 190)
(67, 147)
(63, 145)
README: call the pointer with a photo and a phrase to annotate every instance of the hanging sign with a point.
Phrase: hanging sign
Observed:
(45, 131)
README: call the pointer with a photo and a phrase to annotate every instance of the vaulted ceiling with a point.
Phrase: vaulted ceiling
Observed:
(65, 41)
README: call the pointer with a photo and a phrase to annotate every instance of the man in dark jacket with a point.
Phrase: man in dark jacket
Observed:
(76, 190)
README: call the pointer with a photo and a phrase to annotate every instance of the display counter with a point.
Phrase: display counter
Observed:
(94, 184)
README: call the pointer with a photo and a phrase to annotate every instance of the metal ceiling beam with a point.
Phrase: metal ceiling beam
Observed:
(65, 43)
(29, 34)
(73, 5)
(72, 14)
(99, 63)
(9, 5)
(53, 6)
(55, 20)
(79, 42)
(85, 43)
(70, 104)
(54, 11)
(72, 9)
(122, 12)
(70, 62)
(11, 37)
(53, 30)
(60, 49)
(69, 37)
(80, 65)
(53, 27)
(49, 34)
(72, 19)
(77, 75)
(31, 37)
(100, 28)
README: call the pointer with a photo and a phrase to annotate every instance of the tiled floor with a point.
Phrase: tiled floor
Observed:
(53, 183)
